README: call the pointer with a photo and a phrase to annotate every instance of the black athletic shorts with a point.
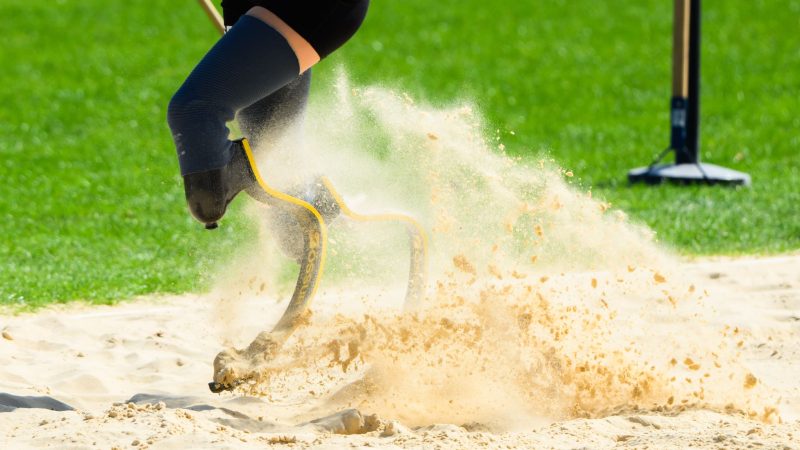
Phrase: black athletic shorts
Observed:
(325, 24)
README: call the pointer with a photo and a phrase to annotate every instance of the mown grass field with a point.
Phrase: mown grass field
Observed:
(91, 205)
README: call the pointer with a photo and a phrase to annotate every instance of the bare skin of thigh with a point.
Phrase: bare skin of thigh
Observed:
(306, 55)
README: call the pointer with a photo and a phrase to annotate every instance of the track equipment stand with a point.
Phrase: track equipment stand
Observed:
(685, 112)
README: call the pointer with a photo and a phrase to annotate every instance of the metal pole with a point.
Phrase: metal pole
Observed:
(692, 153)
(680, 77)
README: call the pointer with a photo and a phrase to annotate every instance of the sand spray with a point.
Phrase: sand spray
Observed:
(544, 303)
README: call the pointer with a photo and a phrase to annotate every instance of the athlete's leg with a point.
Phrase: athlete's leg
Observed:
(327, 23)
(259, 55)
(250, 62)
(268, 117)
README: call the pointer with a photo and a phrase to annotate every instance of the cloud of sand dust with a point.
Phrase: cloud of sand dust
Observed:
(543, 302)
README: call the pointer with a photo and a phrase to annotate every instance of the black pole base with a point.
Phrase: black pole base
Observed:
(700, 173)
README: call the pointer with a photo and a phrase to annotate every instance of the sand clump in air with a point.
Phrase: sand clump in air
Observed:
(545, 304)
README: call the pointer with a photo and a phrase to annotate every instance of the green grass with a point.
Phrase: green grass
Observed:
(91, 203)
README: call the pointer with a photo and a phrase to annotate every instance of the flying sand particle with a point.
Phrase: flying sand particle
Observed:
(750, 381)
(462, 263)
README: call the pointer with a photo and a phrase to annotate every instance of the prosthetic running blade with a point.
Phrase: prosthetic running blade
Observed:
(315, 238)
(418, 242)
(311, 265)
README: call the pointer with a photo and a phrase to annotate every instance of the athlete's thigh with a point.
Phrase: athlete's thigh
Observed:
(325, 24)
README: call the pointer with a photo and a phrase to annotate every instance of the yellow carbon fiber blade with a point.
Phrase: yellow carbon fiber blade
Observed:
(315, 246)
(418, 242)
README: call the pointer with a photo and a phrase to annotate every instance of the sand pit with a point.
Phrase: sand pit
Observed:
(136, 375)
(550, 321)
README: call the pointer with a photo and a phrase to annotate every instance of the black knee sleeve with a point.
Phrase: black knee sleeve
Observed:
(325, 24)
(249, 63)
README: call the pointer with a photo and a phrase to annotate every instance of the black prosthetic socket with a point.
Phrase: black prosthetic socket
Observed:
(208, 193)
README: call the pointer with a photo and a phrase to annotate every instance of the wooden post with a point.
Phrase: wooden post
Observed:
(213, 14)
(680, 49)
